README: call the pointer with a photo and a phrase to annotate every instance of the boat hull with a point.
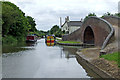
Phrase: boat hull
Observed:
(31, 40)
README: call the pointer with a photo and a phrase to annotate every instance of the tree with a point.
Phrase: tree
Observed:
(32, 24)
(59, 33)
(54, 29)
(14, 21)
(42, 33)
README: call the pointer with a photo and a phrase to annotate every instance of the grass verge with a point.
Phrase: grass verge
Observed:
(112, 57)
(72, 42)
(58, 39)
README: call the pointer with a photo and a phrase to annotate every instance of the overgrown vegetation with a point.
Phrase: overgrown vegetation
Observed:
(15, 25)
(90, 14)
(110, 14)
(105, 14)
(112, 57)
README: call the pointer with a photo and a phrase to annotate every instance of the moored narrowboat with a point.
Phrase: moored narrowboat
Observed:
(31, 38)
(50, 40)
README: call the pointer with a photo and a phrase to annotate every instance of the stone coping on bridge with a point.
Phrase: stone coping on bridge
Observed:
(102, 67)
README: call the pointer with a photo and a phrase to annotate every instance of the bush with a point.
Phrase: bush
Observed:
(9, 40)
(20, 38)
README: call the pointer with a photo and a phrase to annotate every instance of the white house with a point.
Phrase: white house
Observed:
(70, 26)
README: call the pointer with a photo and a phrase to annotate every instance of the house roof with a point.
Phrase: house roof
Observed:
(73, 23)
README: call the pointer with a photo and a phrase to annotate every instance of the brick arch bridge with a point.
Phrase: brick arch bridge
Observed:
(94, 30)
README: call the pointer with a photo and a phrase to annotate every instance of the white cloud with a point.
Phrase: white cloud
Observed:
(47, 12)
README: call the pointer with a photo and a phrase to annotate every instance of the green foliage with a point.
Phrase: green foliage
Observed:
(68, 42)
(1, 17)
(13, 19)
(107, 14)
(117, 14)
(41, 33)
(90, 14)
(15, 23)
(54, 29)
(58, 33)
(9, 39)
(112, 57)
(20, 38)
(32, 24)
(12, 40)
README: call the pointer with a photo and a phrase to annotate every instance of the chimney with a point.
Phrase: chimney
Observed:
(67, 19)
(81, 20)
(60, 21)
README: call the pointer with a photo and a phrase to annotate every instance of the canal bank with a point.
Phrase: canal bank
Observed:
(90, 58)
(73, 44)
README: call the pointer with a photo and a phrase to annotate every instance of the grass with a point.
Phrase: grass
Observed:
(113, 57)
(58, 39)
(72, 42)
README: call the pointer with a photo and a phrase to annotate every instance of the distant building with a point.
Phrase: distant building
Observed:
(70, 26)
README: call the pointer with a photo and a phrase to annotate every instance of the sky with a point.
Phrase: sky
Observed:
(47, 13)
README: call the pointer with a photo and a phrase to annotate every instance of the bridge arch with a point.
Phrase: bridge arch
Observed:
(89, 36)
(101, 28)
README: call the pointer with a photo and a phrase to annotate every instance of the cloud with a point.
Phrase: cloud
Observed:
(47, 12)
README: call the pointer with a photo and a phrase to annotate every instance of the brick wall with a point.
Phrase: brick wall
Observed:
(99, 27)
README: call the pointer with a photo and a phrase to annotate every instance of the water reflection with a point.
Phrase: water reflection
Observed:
(41, 61)
(50, 44)
(31, 43)
(69, 52)
(18, 47)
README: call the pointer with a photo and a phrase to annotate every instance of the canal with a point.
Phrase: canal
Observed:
(37, 60)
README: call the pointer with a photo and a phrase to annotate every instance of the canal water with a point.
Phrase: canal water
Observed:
(37, 60)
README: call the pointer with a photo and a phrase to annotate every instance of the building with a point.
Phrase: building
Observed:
(70, 26)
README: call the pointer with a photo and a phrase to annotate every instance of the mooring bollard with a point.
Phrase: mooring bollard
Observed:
(102, 52)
